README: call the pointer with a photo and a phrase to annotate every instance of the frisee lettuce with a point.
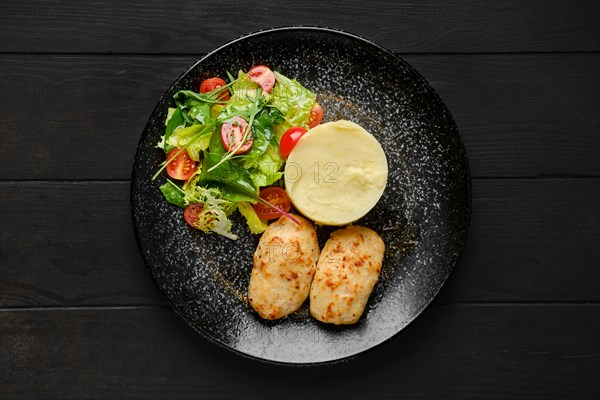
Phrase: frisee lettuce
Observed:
(215, 211)
(225, 181)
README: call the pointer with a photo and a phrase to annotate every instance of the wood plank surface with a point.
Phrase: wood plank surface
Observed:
(80, 117)
(80, 316)
(531, 240)
(154, 26)
(451, 352)
(72, 244)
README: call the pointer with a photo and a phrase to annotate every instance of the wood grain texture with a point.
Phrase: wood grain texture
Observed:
(72, 244)
(523, 115)
(410, 26)
(519, 116)
(531, 240)
(451, 352)
(81, 318)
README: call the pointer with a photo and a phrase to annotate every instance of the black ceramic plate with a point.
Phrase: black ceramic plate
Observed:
(422, 217)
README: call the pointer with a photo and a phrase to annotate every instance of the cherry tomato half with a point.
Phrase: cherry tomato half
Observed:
(316, 115)
(263, 76)
(289, 139)
(276, 196)
(191, 214)
(232, 133)
(182, 167)
(210, 84)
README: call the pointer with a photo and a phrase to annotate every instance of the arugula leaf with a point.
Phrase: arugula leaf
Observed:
(229, 173)
(294, 101)
(255, 224)
(215, 145)
(260, 166)
(229, 193)
(264, 160)
(256, 107)
(272, 114)
(227, 181)
(262, 135)
(231, 177)
(231, 80)
(189, 98)
(182, 137)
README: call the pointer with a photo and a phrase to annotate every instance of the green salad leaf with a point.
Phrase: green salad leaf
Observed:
(170, 112)
(216, 111)
(245, 95)
(173, 194)
(268, 167)
(201, 113)
(173, 122)
(233, 195)
(215, 211)
(263, 135)
(255, 224)
(230, 174)
(294, 101)
(187, 99)
(182, 136)
(195, 192)
(225, 181)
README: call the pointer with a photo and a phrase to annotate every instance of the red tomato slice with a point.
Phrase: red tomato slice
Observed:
(182, 167)
(276, 196)
(191, 214)
(316, 115)
(232, 133)
(289, 139)
(208, 85)
(263, 76)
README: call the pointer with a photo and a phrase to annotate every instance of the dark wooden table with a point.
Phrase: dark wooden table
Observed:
(80, 318)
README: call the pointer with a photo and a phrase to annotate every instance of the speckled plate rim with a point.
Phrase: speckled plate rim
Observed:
(418, 76)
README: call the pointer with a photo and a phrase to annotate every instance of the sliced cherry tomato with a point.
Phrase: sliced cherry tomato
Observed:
(263, 76)
(210, 84)
(191, 214)
(182, 167)
(289, 139)
(316, 115)
(276, 196)
(232, 133)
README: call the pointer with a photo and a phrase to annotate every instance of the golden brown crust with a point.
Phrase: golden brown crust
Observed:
(284, 266)
(347, 270)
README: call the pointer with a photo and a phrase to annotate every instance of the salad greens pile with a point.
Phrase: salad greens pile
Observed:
(225, 180)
